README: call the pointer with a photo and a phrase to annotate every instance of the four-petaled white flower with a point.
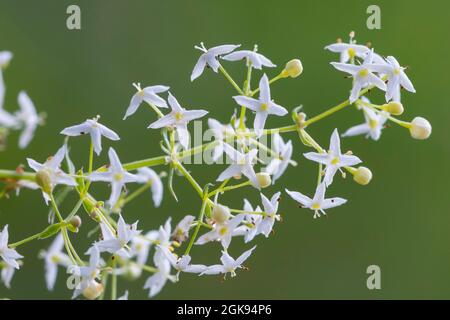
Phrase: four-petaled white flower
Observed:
(333, 159)
(363, 75)
(149, 95)
(222, 232)
(8, 255)
(220, 132)
(348, 51)
(372, 127)
(116, 175)
(263, 106)
(52, 168)
(250, 228)
(397, 78)
(278, 165)
(229, 265)
(141, 245)
(256, 59)
(53, 258)
(209, 58)
(178, 118)
(181, 264)
(87, 275)
(318, 204)
(242, 164)
(149, 176)
(28, 116)
(116, 244)
(95, 129)
(270, 209)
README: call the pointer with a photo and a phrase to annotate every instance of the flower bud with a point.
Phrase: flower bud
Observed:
(220, 213)
(75, 222)
(264, 179)
(93, 290)
(44, 181)
(362, 175)
(394, 108)
(420, 128)
(293, 68)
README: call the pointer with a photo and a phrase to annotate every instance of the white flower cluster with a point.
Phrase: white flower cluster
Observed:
(123, 250)
(25, 119)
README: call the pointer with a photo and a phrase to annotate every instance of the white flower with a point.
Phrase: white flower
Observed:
(229, 265)
(252, 222)
(363, 75)
(8, 255)
(277, 166)
(263, 106)
(220, 132)
(209, 57)
(87, 275)
(141, 245)
(156, 282)
(270, 208)
(333, 159)
(29, 117)
(52, 168)
(178, 118)
(163, 240)
(147, 175)
(257, 60)
(95, 129)
(53, 258)
(7, 274)
(318, 203)
(181, 232)
(181, 264)
(373, 126)
(116, 244)
(396, 78)
(222, 232)
(348, 51)
(149, 95)
(242, 164)
(116, 175)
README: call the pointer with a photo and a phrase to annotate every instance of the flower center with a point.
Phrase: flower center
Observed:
(178, 116)
(141, 93)
(264, 106)
(396, 71)
(316, 206)
(335, 161)
(351, 52)
(118, 176)
(373, 123)
(363, 73)
(223, 230)
(55, 259)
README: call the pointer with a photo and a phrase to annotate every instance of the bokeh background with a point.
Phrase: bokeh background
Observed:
(400, 221)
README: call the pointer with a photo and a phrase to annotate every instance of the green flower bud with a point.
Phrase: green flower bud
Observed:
(394, 108)
(220, 213)
(362, 175)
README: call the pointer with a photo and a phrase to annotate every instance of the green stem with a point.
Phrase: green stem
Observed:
(199, 221)
(114, 281)
(23, 241)
(137, 193)
(223, 189)
(230, 79)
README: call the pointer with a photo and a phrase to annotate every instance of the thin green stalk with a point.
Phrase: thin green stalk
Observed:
(114, 281)
(230, 79)
(224, 189)
(23, 241)
(199, 221)
(137, 193)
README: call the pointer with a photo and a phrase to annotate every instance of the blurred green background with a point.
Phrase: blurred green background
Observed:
(400, 221)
